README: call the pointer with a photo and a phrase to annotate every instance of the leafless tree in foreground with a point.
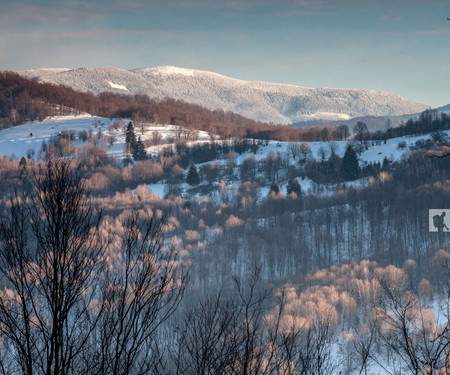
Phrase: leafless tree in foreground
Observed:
(206, 338)
(224, 335)
(64, 307)
(411, 331)
(308, 350)
(142, 292)
(246, 336)
(49, 249)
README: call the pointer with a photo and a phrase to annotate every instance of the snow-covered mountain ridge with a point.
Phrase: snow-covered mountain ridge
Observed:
(263, 101)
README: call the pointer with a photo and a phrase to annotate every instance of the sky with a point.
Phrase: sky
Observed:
(401, 46)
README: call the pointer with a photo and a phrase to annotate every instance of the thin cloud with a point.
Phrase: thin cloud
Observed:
(20, 14)
(78, 34)
(389, 60)
(391, 18)
(438, 31)
(283, 13)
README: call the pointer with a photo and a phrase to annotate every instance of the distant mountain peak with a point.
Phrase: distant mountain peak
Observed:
(263, 101)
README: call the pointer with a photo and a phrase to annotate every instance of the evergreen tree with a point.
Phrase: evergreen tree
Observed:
(130, 137)
(44, 147)
(138, 150)
(130, 140)
(193, 177)
(24, 174)
(293, 186)
(274, 188)
(350, 167)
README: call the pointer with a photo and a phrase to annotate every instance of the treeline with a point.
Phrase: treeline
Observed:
(429, 121)
(23, 99)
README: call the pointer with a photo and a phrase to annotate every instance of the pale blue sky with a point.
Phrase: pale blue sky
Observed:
(398, 45)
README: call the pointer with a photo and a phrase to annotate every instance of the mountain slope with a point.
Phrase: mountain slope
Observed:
(444, 109)
(263, 101)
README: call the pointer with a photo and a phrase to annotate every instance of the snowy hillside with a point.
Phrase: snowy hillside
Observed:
(444, 109)
(263, 101)
(27, 140)
(20, 140)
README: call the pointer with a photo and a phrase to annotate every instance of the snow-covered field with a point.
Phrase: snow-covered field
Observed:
(18, 141)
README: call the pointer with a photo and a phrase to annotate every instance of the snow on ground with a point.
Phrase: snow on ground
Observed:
(326, 116)
(16, 141)
(116, 86)
(20, 140)
(27, 139)
(391, 150)
(158, 189)
(373, 154)
(170, 70)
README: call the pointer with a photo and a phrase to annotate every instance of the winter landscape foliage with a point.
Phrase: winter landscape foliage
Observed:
(141, 244)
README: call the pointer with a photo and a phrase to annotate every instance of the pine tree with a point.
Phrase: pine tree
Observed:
(350, 167)
(274, 188)
(193, 177)
(130, 139)
(293, 186)
(24, 174)
(139, 150)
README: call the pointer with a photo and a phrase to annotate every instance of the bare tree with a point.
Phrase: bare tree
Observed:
(363, 346)
(65, 307)
(343, 131)
(142, 292)
(206, 342)
(50, 246)
(156, 138)
(294, 149)
(309, 349)
(253, 305)
(360, 130)
(409, 330)
(333, 148)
